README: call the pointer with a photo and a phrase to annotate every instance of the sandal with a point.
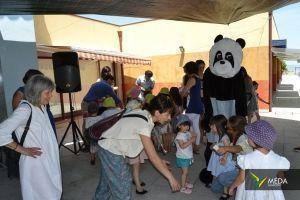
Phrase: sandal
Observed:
(224, 196)
(186, 190)
(142, 192)
(189, 185)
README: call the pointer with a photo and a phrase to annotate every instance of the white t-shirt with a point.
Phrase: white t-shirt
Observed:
(123, 138)
(146, 85)
(186, 153)
(243, 142)
(258, 160)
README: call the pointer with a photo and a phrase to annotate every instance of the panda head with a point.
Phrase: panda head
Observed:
(225, 56)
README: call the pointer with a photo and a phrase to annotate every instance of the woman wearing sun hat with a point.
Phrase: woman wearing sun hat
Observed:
(261, 136)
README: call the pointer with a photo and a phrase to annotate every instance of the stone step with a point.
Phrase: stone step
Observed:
(286, 93)
(285, 87)
(288, 102)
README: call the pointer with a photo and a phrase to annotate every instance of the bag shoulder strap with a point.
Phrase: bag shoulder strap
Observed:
(27, 125)
(136, 115)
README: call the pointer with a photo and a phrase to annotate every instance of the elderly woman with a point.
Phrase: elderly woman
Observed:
(127, 138)
(40, 173)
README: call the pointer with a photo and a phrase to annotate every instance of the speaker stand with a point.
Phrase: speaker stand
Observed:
(75, 132)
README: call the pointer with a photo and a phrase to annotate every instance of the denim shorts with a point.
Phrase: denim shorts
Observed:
(224, 180)
(181, 162)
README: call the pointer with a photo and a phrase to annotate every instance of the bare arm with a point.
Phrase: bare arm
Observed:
(17, 98)
(183, 144)
(238, 181)
(262, 100)
(33, 152)
(158, 163)
(18, 118)
(230, 149)
(191, 82)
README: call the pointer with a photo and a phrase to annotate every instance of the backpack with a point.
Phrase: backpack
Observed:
(95, 132)
(13, 157)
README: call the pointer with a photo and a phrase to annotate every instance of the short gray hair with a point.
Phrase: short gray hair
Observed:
(35, 86)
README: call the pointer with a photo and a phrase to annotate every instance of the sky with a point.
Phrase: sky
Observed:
(115, 19)
(287, 20)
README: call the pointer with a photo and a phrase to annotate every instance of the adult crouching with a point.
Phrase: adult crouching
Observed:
(128, 137)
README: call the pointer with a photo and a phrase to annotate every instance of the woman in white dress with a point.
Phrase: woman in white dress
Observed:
(39, 165)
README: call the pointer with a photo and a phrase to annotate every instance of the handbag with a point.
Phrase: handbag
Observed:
(13, 157)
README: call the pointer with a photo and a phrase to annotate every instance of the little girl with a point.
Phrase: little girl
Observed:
(220, 163)
(184, 155)
(261, 136)
(238, 145)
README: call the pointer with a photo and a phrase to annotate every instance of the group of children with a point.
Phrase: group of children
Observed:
(244, 146)
(232, 146)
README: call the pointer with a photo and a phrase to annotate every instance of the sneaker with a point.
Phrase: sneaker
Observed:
(189, 185)
(186, 190)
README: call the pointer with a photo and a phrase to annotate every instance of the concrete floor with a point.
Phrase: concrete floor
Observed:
(80, 179)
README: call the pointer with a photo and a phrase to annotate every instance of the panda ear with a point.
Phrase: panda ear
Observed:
(218, 38)
(241, 42)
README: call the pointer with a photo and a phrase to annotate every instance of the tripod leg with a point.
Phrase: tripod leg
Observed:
(81, 136)
(75, 138)
(65, 134)
(75, 134)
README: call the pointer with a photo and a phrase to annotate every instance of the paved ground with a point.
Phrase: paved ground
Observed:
(80, 179)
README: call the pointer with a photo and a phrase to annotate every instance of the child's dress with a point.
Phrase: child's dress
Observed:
(184, 157)
(258, 160)
(214, 164)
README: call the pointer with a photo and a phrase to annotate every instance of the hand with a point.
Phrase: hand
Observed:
(222, 150)
(32, 151)
(223, 160)
(175, 186)
(231, 190)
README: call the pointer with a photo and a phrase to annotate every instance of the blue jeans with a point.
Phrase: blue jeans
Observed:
(115, 177)
(224, 180)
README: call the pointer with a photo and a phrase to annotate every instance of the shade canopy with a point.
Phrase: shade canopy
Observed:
(287, 54)
(212, 11)
(45, 51)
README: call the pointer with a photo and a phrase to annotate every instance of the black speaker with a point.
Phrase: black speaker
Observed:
(66, 72)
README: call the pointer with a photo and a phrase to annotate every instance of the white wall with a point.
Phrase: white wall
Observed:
(17, 52)
(163, 37)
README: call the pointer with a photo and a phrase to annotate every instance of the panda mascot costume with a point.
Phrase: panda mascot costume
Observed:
(223, 80)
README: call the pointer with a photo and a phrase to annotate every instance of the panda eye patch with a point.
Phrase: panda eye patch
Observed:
(228, 56)
(219, 55)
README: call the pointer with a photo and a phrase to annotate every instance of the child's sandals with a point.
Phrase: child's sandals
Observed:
(186, 190)
(189, 185)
